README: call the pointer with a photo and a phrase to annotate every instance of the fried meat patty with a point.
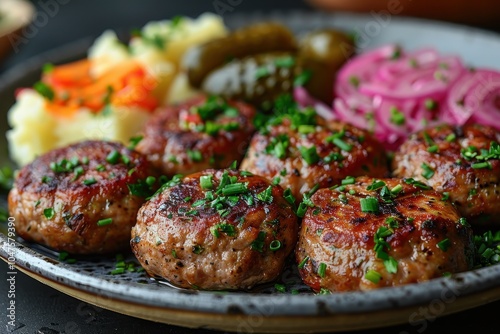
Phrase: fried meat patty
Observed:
(461, 162)
(206, 132)
(216, 230)
(323, 153)
(77, 199)
(376, 233)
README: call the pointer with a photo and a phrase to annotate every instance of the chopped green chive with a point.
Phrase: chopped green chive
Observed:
(305, 129)
(133, 141)
(342, 198)
(353, 80)
(258, 244)
(463, 221)
(280, 287)
(266, 195)
(234, 189)
(428, 171)
(373, 276)
(206, 182)
(287, 194)
(245, 173)
(276, 181)
(397, 189)
(89, 182)
(104, 222)
(303, 78)
(113, 157)
(392, 222)
(199, 202)
(301, 210)
(63, 256)
(6, 178)
(249, 199)
(342, 144)
(430, 104)
(397, 117)
(480, 165)
(417, 184)
(47, 68)
(310, 155)
(100, 168)
(194, 155)
(262, 72)
(322, 270)
(396, 54)
(150, 180)
(197, 249)
(284, 62)
(225, 228)
(391, 265)
(376, 184)
(444, 244)
(428, 139)
(433, 149)
(117, 271)
(451, 137)
(78, 172)
(303, 262)
(275, 245)
(369, 204)
(44, 90)
(48, 213)
(278, 146)
(125, 159)
(348, 180)
(446, 196)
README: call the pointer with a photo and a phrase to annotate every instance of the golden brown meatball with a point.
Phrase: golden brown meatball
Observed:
(463, 163)
(218, 229)
(318, 152)
(77, 199)
(196, 135)
(377, 233)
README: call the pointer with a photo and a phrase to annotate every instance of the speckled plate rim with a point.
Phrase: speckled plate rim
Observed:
(277, 312)
(262, 313)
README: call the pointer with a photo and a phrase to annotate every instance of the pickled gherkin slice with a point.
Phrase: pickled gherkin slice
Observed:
(251, 40)
(257, 79)
(324, 52)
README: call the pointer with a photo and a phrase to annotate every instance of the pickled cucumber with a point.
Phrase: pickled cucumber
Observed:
(324, 52)
(257, 79)
(251, 40)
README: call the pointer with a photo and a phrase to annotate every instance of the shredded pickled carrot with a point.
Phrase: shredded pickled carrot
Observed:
(127, 84)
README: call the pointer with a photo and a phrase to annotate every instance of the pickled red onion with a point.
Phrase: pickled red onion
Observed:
(475, 98)
(393, 93)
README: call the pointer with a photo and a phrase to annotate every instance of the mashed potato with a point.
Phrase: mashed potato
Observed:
(35, 131)
(158, 48)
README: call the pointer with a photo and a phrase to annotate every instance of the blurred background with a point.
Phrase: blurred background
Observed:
(58, 22)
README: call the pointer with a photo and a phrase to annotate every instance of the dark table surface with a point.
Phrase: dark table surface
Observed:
(43, 310)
